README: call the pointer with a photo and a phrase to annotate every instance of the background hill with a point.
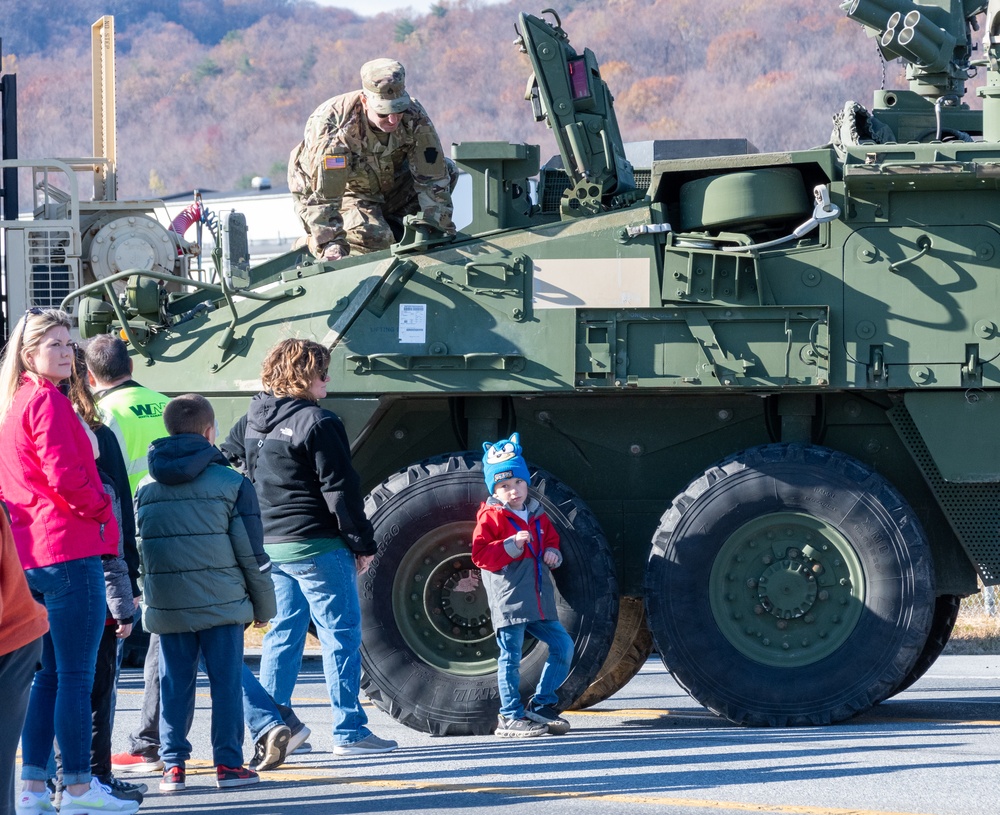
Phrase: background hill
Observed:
(214, 92)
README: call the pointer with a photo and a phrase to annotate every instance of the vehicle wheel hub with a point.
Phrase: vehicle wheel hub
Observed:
(787, 589)
(441, 605)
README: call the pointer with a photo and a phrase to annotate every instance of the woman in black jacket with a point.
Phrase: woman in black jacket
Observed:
(315, 532)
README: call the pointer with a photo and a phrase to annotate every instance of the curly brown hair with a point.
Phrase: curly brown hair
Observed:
(291, 366)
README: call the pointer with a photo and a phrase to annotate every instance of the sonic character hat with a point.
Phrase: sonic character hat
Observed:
(502, 460)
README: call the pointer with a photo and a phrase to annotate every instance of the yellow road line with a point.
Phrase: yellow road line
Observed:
(310, 775)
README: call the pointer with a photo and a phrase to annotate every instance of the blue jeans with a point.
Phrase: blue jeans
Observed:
(222, 650)
(510, 638)
(324, 588)
(259, 710)
(59, 705)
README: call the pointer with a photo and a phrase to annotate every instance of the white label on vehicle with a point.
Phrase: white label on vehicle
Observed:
(596, 283)
(413, 322)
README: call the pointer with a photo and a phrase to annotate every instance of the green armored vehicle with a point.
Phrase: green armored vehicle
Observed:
(757, 391)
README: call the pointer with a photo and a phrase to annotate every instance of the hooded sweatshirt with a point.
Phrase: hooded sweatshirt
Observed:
(202, 563)
(298, 457)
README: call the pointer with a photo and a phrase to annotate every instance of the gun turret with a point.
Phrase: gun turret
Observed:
(567, 92)
(932, 36)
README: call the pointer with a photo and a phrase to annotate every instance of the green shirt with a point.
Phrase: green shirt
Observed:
(291, 551)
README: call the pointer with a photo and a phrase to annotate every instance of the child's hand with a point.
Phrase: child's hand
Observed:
(551, 558)
(521, 539)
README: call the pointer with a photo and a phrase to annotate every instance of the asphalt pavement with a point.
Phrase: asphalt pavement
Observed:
(932, 750)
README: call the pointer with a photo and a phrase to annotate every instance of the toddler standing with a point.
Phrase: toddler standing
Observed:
(515, 546)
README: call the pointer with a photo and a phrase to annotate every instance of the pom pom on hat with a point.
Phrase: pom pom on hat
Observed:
(502, 460)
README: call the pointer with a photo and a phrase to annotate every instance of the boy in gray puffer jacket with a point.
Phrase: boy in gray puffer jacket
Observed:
(204, 576)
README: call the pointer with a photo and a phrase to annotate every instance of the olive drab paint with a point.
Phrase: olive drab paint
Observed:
(758, 391)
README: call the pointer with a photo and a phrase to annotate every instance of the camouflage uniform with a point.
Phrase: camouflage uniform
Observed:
(348, 186)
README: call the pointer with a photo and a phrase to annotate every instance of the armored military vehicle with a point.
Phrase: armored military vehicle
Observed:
(757, 391)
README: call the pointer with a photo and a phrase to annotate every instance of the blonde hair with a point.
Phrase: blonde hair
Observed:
(291, 366)
(24, 339)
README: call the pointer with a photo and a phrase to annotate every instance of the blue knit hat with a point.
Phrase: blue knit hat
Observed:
(502, 460)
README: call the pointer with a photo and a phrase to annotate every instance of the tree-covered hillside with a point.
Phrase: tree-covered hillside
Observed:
(213, 92)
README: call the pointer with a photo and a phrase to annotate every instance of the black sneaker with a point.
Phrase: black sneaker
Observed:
(123, 790)
(547, 715)
(270, 749)
(519, 728)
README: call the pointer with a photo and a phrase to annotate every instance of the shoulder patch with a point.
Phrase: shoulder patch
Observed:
(334, 162)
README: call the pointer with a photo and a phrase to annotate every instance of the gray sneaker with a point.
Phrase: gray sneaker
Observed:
(519, 728)
(547, 715)
(367, 746)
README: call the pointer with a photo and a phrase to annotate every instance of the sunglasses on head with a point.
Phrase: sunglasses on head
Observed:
(34, 310)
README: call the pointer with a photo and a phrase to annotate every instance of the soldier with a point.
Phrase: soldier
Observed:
(368, 158)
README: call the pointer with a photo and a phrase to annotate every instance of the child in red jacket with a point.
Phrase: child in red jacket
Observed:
(515, 546)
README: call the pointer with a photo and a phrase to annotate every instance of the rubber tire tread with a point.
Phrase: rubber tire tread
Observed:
(841, 491)
(450, 488)
(632, 645)
(946, 610)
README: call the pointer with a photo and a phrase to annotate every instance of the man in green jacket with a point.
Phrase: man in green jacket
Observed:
(134, 413)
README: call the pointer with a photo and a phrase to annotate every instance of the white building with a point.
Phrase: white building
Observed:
(272, 225)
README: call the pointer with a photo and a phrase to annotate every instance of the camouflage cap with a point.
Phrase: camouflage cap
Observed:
(382, 82)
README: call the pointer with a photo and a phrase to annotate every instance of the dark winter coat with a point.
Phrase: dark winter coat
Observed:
(201, 555)
(297, 455)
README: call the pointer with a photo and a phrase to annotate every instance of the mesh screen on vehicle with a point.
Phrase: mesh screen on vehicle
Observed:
(973, 510)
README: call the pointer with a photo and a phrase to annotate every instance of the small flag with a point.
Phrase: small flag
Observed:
(334, 162)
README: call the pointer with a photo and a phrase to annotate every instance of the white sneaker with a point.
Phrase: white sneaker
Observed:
(33, 803)
(298, 740)
(95, 800)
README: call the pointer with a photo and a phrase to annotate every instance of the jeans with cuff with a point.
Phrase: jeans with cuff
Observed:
(510, 638)
(59, 704)
(323, 588)
(260, 712)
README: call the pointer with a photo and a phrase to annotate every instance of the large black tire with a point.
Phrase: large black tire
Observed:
(632, 645)
(945, 616)
(789, 585)
(428, 648)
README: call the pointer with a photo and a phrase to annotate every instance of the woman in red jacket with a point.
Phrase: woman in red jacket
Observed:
(63, 524)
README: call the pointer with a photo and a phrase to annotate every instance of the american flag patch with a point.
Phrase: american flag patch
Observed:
(334, 162)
